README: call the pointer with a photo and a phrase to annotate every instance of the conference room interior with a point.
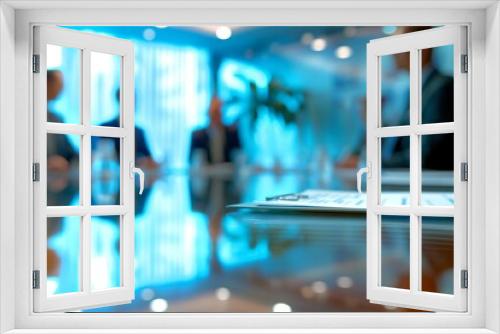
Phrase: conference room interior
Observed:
(228, 115)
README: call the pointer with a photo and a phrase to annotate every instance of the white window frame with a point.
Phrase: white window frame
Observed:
(85, 297)
(16, 21)
(413, 43)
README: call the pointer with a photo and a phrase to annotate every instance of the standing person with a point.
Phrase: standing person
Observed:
(437, 107)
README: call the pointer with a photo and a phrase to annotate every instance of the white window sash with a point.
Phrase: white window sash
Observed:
(414, 297)
(86, 297)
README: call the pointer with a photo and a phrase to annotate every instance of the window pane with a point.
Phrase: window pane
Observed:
(437, 85)
(105, 76)
(437, 254)
(63, 255)
(105, 171)
(105, 252)
(63, 169)
(437, 170)
(395, 89)
(395, 254)
(395, 171)
(63, 84)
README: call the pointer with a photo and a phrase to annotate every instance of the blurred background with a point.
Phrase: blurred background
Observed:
(226, 115)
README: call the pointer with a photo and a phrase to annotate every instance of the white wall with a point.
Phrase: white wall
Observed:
(6, 168)
(493, 163)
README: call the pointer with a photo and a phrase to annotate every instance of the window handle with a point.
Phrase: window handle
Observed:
(359, 175)
(135, 170)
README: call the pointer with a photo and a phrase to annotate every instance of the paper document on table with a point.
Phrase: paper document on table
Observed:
(349, 201)
(328, 199)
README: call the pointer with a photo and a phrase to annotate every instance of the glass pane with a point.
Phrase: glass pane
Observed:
(395, 171)
(105, 76)
(63, 84)
(437, 84)
(395, 253)
(63, 255)
(437, 254)
(105, 171)
(63, 169)
(395, 89)
(437, 170)
(105, 252)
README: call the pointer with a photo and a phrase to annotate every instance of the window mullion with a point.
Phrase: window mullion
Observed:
(415, 253)
(86, 168)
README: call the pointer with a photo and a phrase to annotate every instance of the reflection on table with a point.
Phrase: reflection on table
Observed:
(194, 255)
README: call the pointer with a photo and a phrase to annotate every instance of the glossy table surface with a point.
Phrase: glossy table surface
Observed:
(193, 254)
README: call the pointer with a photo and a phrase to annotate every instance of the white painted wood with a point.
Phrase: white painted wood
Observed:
(246, 4)
(354, 13)
(7, 168)
(413, 297)
(93, 130)
(419, 129)
(86, 298)
(492, 186)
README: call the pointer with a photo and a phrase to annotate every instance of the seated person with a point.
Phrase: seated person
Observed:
(143, 157)
(60, 152)
(217, 141)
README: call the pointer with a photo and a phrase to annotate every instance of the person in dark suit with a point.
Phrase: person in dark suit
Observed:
(60, 152)
(218, 142)
(143, 156)
(211, 193)
(437, 107)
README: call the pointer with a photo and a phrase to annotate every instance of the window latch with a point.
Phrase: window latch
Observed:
(365, 170)
(134, 170)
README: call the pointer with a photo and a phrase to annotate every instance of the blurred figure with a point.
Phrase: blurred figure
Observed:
(60, 158)
(217, 142)
(60, 152)
(437, 106)
(143, 157)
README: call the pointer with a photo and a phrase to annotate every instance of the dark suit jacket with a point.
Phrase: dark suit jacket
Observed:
(437, 107)
(200, 140)
(141, 146)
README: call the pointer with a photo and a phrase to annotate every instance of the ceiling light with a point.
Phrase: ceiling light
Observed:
(306, 38)
(343, 52)
(149, 34)
(318, 44)
(389, 30)
(223, 32)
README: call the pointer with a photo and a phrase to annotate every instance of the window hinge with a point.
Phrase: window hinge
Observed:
(464, 171)
(465, 64)
(36, 63)
(36, 279)
(464, 284)
(36, 172)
